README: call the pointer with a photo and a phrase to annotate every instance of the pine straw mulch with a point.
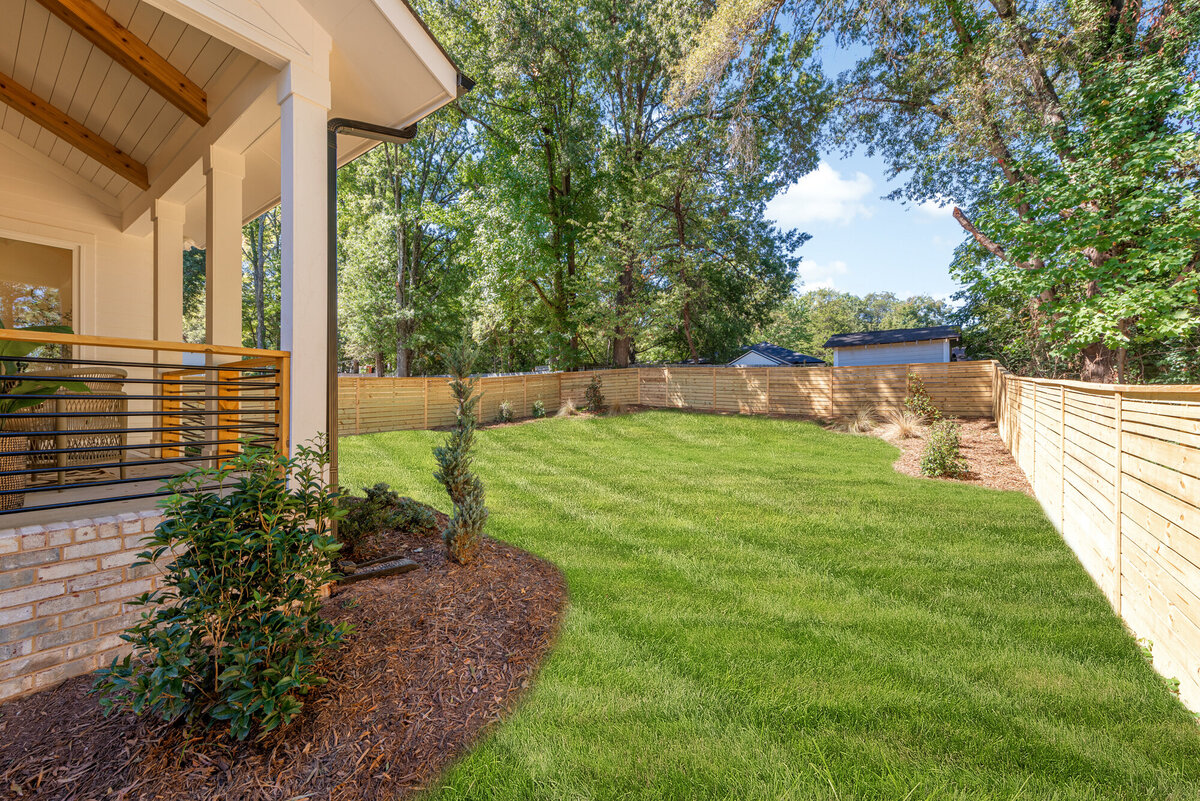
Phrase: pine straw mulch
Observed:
(989, 464)
(438, 655)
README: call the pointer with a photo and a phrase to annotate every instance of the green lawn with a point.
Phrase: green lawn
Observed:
(763, 609)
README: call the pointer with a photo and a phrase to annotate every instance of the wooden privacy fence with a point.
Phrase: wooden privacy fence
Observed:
(368, 405)
(1117, 469)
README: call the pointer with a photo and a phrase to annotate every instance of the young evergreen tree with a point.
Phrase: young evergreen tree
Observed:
(464, 532)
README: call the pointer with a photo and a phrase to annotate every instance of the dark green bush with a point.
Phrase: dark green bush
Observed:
(382, 510)
(919, 402)
(593, 396)
(539, 408)
(234, 634)
(942, 456)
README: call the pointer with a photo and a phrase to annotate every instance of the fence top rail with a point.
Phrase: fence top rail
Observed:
(49, 338)
(1143, 390)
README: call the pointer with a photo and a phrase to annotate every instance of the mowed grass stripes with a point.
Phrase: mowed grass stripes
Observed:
(763, 609)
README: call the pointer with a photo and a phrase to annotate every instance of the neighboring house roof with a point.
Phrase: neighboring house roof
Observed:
(781, 354)
(892, 336)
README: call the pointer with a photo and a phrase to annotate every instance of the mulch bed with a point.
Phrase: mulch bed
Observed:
(989, 464)
(438, 655)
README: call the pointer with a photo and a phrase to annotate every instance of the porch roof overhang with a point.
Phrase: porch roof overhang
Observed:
(382, 64)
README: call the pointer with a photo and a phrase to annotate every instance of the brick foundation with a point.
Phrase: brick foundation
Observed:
(64, 589)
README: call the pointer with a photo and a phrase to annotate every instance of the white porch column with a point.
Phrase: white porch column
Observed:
(223, 172)
(168, 270)
(304, 100)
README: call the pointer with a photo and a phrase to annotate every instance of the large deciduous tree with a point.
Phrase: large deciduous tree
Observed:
(1064, 133)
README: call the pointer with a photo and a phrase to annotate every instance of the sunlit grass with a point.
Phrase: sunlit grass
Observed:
(764, 609)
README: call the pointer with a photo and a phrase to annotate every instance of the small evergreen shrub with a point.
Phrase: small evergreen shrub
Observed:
(504, 414)
(539, 408)
(942, 454)
(464, 532)
(593, 396)
(919, 402)
(382, 509)
(234, 633)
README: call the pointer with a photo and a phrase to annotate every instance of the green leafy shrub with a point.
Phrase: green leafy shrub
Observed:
(464, 532)
(942, 455)
(919, 402)
(504, 414)
(539, 408)
(382, 509)
(593, 396)
(234, 633)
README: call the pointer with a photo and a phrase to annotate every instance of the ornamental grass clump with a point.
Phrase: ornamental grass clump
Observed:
(464, 532)
(942, 455)
(919, 401)
(234, 634)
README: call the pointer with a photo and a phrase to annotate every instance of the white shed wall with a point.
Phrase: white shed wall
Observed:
(937, 350)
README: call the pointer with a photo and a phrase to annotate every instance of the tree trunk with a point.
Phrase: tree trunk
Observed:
(380, 363)
(622, 348)
(1099, 364)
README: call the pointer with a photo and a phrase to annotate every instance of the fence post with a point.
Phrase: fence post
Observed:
(1033, 467)
(357, 405)
(768, 393)
(1117, 493)
(637, 374)
(1062, 458)
(425, 403)
(831, 411)
(714, 389)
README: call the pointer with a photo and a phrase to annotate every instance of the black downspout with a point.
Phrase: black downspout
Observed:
(379, 133)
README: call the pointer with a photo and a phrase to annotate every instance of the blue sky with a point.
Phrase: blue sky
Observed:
(860, 242)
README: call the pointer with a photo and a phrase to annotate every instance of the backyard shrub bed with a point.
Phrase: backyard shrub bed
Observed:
(435, 657)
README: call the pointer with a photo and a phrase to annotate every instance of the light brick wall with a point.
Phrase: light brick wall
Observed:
(64, 589)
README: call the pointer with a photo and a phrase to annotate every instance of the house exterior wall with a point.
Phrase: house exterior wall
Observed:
(114, 272)
(64, 597)
(753, 359)
(935, 351)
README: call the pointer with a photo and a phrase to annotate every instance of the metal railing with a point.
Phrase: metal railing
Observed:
(88, 420)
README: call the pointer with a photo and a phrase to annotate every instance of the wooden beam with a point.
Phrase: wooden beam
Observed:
(95, 25)
(74, 133)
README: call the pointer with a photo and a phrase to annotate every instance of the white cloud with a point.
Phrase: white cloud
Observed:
(939, 207)
(824, 195)
(820, 275)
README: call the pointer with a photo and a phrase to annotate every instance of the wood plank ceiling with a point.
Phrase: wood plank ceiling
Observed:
(60, 65)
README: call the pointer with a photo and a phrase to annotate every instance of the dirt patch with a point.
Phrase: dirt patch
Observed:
(989, 463)
(438, 655)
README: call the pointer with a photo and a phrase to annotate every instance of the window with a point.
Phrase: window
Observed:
(35, 284)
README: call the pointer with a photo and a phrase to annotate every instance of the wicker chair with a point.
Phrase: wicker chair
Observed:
(104, 413)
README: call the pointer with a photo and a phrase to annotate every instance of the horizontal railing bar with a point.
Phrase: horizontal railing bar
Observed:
(189, 443)
(144, 430)
(29, 471)
(199, 368)
(105, 483)
(48, 338)
(174, 382)
(136, 413)
(91, 502)
(123, 396)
